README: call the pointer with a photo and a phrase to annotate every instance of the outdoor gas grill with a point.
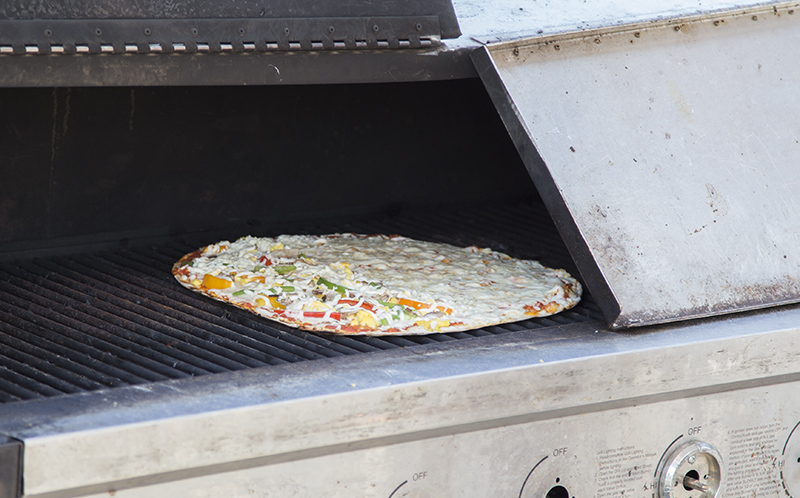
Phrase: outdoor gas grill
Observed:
(650, 153)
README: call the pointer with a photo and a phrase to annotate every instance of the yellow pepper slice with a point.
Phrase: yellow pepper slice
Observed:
(417, 305)
(212, 282)
(273, 301)
(243, 279)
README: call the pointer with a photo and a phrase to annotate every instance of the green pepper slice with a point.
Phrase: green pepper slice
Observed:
(398, 309)
(283, 270)
(341, 289)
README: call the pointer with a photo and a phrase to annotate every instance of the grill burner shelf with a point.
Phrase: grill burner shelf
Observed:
(99, 319)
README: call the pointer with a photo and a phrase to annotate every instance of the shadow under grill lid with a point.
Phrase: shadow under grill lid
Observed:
(100, 319)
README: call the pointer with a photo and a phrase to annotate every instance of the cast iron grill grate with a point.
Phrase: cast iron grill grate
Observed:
(95, 320)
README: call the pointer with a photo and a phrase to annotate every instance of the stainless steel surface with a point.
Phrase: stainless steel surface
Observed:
(602, 454)
(667, 152)
(473, 419)
(506, 20)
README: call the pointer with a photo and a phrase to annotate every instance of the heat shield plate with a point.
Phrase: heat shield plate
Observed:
(668, 154)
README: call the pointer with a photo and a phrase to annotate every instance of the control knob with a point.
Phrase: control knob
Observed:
(690, 470)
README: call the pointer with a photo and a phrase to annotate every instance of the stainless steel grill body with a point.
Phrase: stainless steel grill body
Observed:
(521, 413)
(116, 381)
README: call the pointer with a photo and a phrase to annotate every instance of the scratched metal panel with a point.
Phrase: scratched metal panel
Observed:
(669, 156)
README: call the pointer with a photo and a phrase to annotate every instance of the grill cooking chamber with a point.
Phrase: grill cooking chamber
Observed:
(91, 299)
(115, 380)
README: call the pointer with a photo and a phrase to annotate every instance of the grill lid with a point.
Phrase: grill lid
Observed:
(666, 153)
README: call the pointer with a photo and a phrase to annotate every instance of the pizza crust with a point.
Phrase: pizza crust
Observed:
(375, 284)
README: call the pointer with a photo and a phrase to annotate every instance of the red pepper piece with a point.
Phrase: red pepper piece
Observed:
(321, 314)
(352, 302)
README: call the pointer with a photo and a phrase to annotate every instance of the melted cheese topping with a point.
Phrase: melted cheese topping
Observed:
(356, 284)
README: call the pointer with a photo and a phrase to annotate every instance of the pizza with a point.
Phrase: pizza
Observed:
(375, 284)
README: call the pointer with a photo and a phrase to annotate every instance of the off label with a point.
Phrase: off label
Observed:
(557, 452)
(415, 477)
(694, 430)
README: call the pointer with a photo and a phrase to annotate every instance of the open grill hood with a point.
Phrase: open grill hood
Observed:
(667, 154)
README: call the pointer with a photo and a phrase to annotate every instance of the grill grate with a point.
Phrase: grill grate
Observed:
(95, 320)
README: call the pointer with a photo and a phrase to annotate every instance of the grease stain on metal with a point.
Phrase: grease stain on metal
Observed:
(718, 204)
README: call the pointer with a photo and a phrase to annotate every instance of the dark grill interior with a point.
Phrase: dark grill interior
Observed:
(86, 320)
(104, 188)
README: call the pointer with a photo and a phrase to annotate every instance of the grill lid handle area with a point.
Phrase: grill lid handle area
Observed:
(221, 42)
(303, 22)
(667, 154)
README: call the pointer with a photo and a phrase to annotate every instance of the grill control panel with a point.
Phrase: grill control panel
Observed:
(705, 446)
